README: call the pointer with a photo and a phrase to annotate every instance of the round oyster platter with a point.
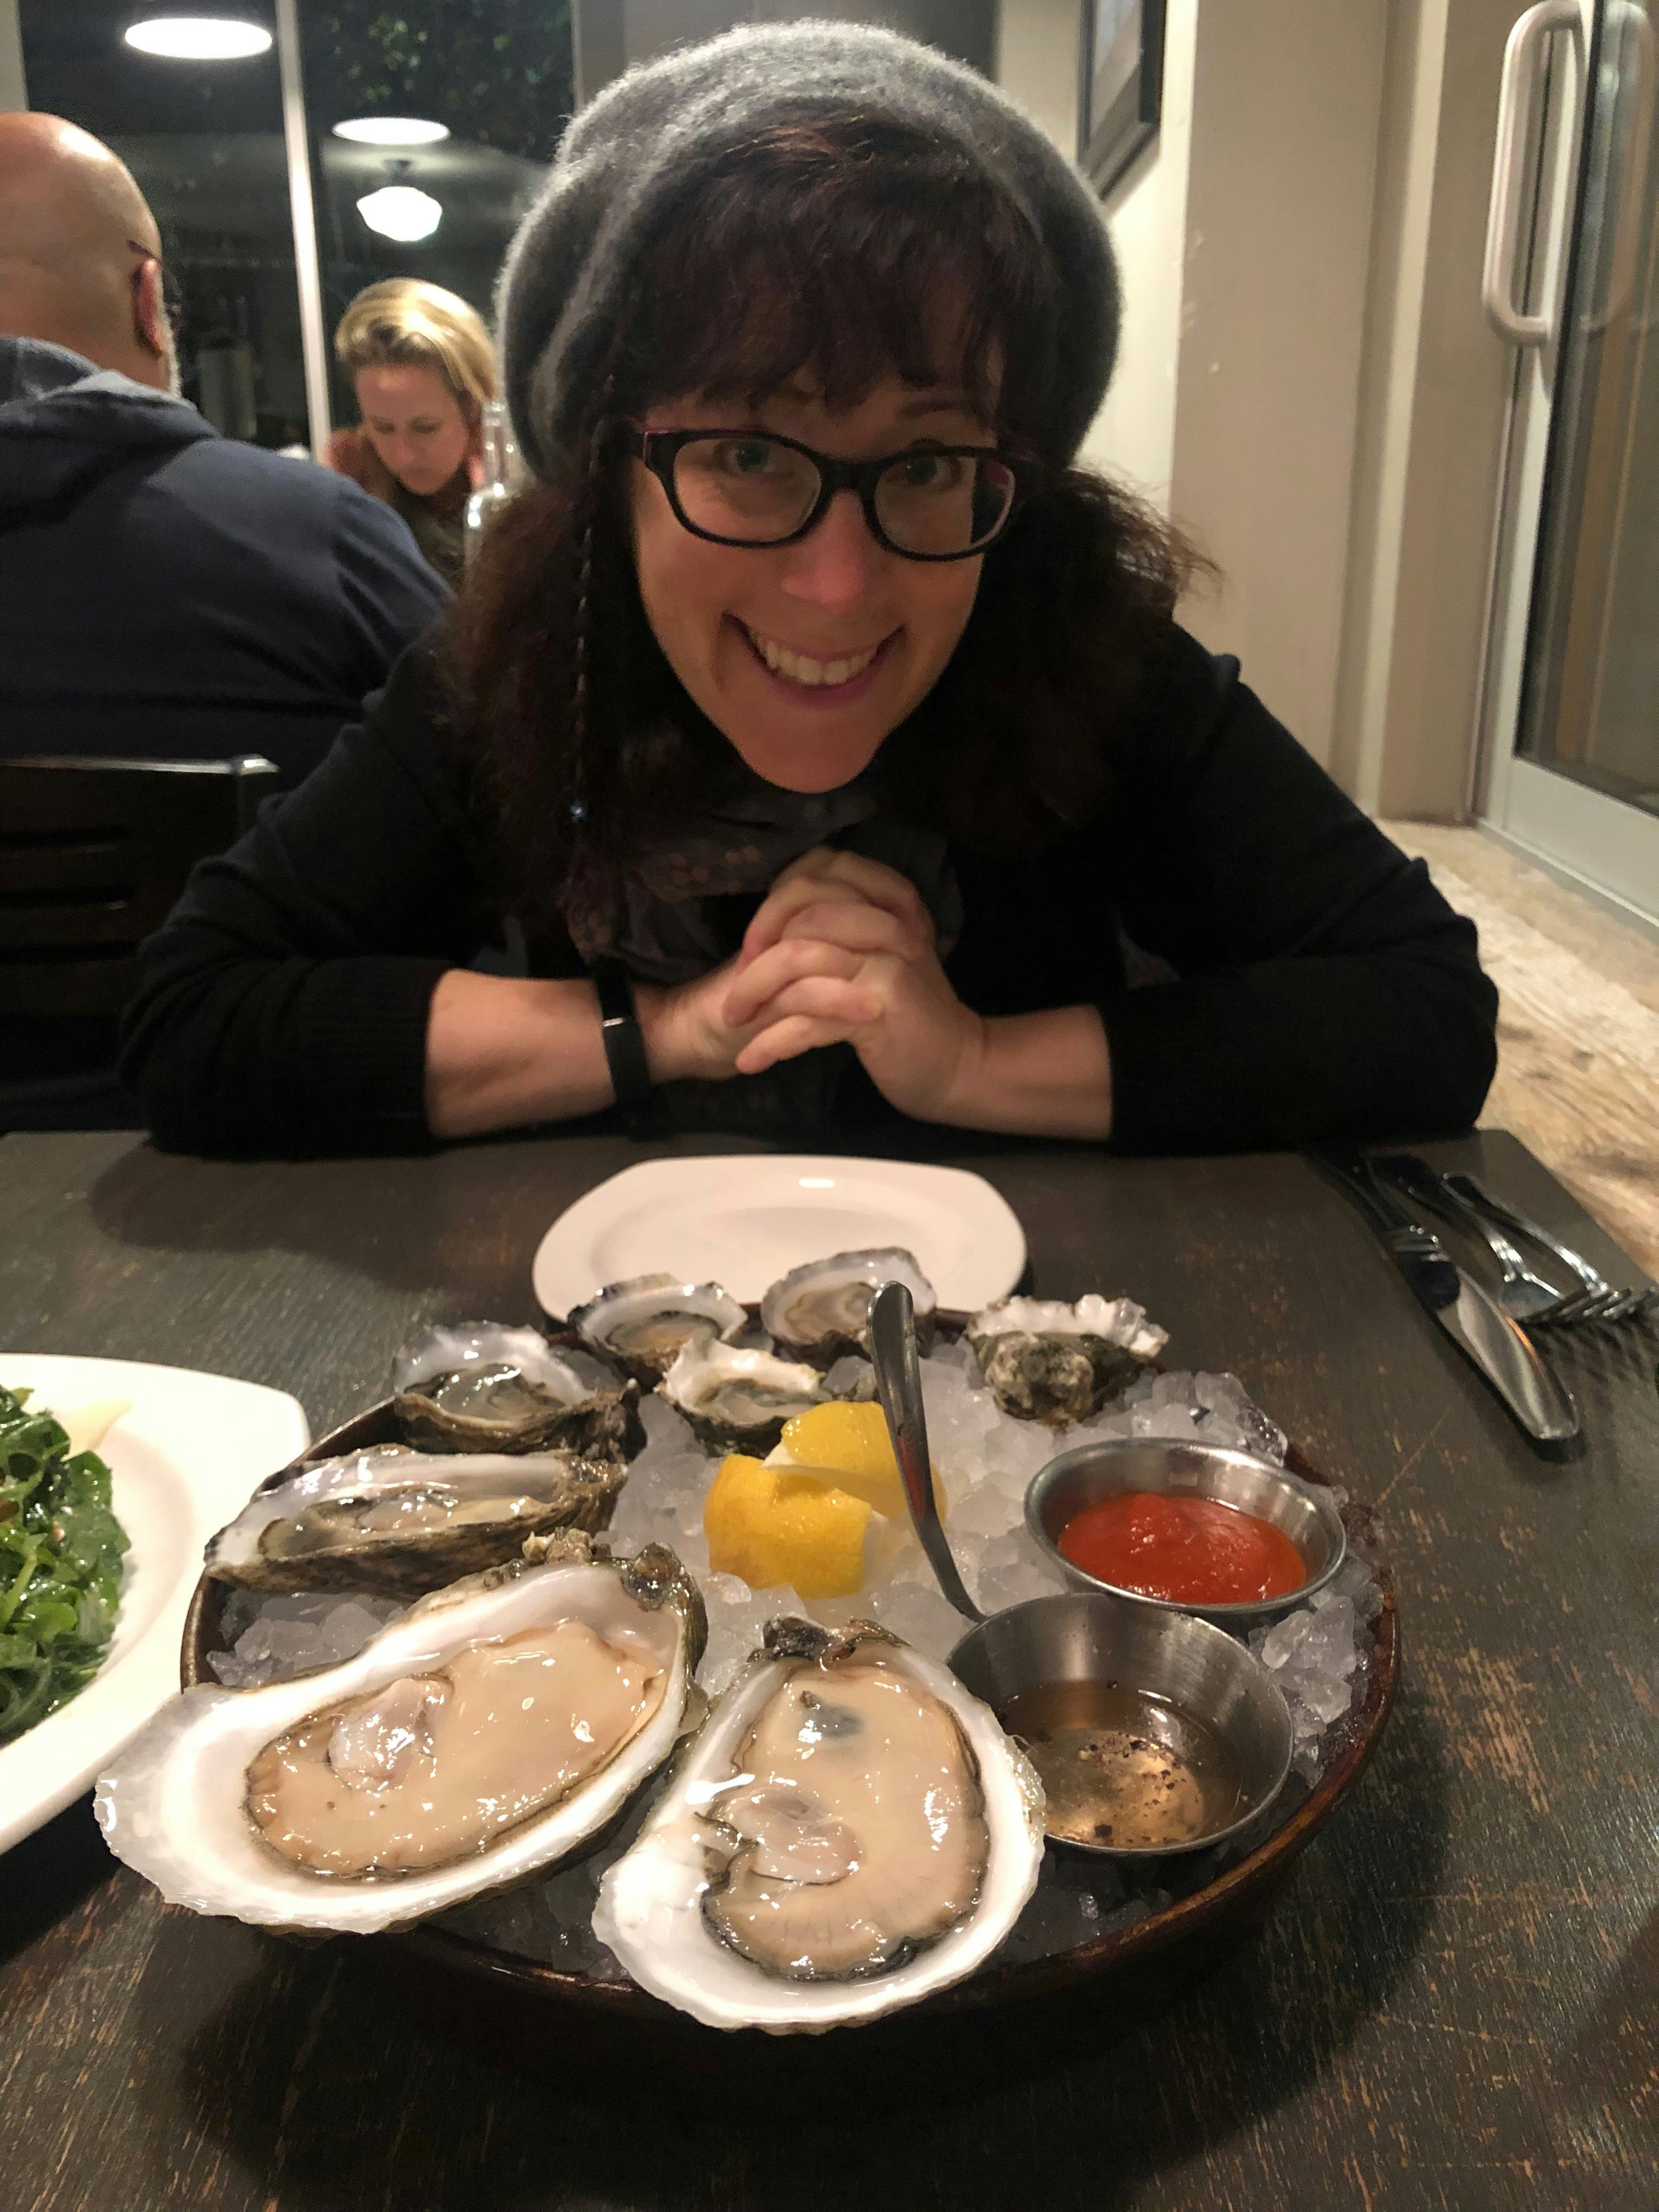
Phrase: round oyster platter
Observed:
(554, 1450)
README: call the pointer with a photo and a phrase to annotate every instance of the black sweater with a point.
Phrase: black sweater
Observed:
(169, 594)
(1320, 986)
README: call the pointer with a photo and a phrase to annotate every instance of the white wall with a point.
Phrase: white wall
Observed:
(1243, 239)
(1432, 412)
(12, 92)
(1134, 438)
(1287, 102)
(1038, 45)
(1036, 59)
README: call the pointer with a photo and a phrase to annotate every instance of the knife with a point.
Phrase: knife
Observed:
(1469, 1315)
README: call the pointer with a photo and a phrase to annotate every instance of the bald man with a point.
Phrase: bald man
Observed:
(165, 593)
(80, 254)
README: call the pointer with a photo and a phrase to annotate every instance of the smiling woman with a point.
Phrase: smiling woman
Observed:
(814, 732)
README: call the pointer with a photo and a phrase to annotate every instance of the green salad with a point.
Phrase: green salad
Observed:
(61, 1549)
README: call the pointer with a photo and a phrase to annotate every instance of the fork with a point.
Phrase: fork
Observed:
(1597, 1301)
(1523, 1295)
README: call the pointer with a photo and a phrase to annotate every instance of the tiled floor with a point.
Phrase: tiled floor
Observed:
(1577, 1030)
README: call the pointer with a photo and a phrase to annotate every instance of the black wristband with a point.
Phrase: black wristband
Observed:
(619, 1026)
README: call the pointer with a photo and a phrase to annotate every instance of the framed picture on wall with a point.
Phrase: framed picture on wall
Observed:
(1120, 85)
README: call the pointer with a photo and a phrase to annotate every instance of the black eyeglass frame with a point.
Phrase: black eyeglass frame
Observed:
(661, 449)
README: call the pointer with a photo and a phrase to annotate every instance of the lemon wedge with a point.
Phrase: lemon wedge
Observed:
(776, 1524)
(849, 1445)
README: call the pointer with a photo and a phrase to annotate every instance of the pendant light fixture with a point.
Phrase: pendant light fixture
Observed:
(198, 38)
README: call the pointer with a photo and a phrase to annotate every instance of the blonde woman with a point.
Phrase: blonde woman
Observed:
(422, 366)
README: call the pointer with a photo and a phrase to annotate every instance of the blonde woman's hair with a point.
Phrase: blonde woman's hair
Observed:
(405, 323)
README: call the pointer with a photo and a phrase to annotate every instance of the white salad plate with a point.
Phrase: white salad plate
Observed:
(182, 1463)
(743, 1219)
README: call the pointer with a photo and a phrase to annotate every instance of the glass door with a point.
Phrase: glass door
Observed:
(1570, 754)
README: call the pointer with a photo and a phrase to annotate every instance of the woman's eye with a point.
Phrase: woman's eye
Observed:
(932, 471)
(752, 457)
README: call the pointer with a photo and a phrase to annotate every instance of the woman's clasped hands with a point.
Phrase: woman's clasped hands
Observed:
(843, 949)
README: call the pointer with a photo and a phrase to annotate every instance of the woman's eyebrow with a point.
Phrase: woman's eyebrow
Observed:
(942, 402)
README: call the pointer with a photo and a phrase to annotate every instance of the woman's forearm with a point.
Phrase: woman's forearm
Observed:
(504, 1050)
(1037, 1075)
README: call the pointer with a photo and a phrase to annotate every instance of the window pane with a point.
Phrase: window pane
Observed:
(204, 140)
(496, 74)
(1590, 705)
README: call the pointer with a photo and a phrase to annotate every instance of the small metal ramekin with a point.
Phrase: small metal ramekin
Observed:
(1079, 1636)
(1089, 1471)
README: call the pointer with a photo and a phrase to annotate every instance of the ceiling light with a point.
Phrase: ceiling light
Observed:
(199, 37)
(400, 211)
(391, 130)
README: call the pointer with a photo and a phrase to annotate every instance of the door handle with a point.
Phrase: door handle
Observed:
(1522, 56)
(1629, 16)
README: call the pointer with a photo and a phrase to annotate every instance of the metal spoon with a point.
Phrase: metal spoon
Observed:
(898, 1378)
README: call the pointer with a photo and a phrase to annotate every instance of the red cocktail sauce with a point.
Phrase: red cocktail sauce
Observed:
(1190, 1550)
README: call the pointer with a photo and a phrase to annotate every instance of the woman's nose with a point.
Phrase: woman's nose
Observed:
(836, 564)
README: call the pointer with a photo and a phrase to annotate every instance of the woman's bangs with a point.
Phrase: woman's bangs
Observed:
(836, 275)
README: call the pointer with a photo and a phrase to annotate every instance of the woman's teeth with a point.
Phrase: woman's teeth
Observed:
(799, 670)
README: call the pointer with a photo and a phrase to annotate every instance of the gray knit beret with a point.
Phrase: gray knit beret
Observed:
(645, 137)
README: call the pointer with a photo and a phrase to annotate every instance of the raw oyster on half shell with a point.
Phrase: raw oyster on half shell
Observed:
(490, 1731)
(1048, 1361)
(851, 1831)
(392, 1519)
(821, 1311)
(738, 1399)
(479, 1387)
(646, 1322)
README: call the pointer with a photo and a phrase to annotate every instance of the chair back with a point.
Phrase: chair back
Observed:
(93, 855)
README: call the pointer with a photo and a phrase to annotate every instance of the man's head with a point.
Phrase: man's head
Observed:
(80, 254)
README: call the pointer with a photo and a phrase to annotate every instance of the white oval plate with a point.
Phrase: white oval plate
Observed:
(183, 1462)
(743, 1219)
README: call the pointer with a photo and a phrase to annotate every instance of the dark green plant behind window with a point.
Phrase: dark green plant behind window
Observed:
(498, 72)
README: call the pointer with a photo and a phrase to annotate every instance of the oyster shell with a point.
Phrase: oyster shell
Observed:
(646, 1322)
(850, 1832)
(398, 1520)
(372, 1793)
(739, 1401)
(1048, 1361)
(479, 1387)
(821, 1311)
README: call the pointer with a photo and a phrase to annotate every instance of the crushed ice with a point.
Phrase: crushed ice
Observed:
(271, 1638)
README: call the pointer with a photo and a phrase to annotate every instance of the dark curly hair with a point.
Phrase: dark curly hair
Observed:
(847, 252)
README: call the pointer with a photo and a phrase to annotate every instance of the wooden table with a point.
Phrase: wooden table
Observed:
(1453, 2006)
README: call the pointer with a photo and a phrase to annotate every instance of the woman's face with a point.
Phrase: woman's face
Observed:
(416, 425)
(806, 655)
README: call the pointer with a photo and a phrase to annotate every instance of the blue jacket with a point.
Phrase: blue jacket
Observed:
(166, 593)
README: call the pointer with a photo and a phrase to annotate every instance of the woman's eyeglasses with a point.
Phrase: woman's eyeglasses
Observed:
(751, 487)
(172, 300)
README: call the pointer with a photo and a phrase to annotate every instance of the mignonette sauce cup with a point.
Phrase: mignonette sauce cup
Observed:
(1193, 1688)
(1082, 1477)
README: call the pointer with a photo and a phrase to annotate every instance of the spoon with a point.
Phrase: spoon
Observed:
(898, 1378)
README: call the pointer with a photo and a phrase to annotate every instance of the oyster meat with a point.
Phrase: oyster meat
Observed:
(397, 1520)
(1048, 1361)
(850, 1832)
(821, 1311)
(489, 1732)
(645, 1323)
(479, 1387)
(738, 1399)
